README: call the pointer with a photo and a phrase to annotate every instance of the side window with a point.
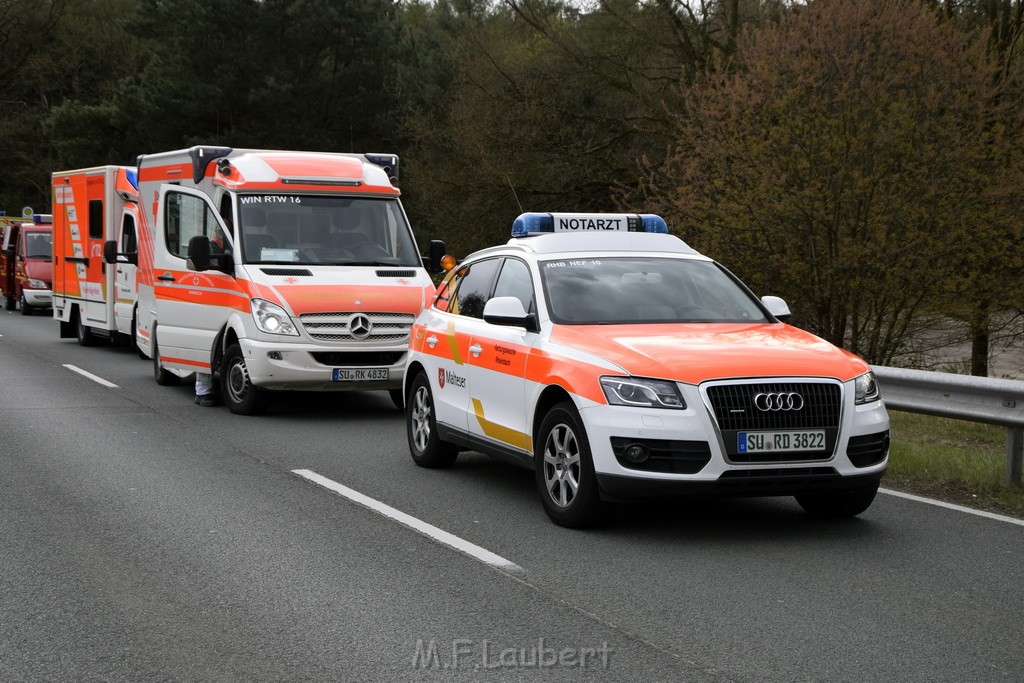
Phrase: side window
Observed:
(96, 219)
(515, 280)
(473, 288)
(444, 290)
(128, 240)
(186, 217)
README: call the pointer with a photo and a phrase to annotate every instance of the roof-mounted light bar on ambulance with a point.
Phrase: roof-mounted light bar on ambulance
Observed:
(535, 223)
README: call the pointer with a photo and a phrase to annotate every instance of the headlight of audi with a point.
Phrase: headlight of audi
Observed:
(641, 392)
(271, 318)
(865, 389)
(37, 284)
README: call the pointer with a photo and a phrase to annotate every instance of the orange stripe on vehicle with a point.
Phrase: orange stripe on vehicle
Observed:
(167, 172)
(499, 432)
(185, 361)
(341, 298)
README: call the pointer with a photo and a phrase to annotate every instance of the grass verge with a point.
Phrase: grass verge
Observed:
(952, 460)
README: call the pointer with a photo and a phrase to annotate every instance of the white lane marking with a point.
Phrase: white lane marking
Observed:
(439, 535)
(94, 378)
(953, 506)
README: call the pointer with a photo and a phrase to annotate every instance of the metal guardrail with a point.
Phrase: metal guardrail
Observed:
(963, 397)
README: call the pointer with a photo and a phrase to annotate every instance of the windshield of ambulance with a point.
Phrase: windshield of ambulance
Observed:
(630, 290)
(38, 244)
(324, 230)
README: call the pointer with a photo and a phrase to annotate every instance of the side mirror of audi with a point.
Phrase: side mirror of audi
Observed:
(777, 307)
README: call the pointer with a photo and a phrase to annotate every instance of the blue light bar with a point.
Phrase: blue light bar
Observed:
(533, 223)
(132, 174)
(42, 218)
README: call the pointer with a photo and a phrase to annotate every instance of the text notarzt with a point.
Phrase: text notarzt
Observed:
(467, 653)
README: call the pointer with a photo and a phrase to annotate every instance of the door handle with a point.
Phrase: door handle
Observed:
(476, 349)
(166, 277)
(431, 341)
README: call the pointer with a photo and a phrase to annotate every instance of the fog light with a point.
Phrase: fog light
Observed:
(275, 355)
(636, 453)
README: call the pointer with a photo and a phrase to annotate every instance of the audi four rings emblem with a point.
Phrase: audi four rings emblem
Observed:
(359, 326)
(783, 400)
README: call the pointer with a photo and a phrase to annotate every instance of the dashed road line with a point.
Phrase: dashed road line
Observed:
(94, 378)
(439, 535)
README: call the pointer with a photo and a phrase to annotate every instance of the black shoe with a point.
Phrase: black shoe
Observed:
(206, 400)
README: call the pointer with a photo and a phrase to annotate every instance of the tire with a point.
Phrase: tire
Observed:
(83, 332)
(26, 309)
(163, 377)
(565, 470)
(240, 395)
(839, 504)
(398, 398)
(425, 446)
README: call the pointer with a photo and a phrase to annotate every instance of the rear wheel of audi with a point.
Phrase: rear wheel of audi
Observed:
(425, 446)
(240, 395)
(565, 470)
(838, 504)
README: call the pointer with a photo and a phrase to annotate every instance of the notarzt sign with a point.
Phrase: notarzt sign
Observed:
(580, 222)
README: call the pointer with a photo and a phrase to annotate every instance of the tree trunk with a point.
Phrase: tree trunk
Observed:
(980, 339)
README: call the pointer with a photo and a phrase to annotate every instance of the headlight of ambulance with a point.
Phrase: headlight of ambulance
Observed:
(37, 284)
(865, 389)
(640, 392)
(271, 318)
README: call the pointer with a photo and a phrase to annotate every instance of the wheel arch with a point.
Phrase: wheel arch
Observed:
(551, 396)
(414, 368)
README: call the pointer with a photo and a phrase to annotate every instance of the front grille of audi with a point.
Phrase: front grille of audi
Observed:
(735, 411)
(391, 328)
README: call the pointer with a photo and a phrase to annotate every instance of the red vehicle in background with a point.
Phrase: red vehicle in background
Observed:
(26, 265)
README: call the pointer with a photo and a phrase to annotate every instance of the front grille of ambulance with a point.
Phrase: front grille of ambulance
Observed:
(334, 327)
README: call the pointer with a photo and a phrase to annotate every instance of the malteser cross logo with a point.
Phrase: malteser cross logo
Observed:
(440, 378)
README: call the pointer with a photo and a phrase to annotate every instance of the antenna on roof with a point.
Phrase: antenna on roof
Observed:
(521, 210)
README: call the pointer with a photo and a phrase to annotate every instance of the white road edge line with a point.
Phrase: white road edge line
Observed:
(94, 378)
(439, 535)
(953, 506)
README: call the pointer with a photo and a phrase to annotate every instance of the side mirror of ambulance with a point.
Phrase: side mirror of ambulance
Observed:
(437, 252)
(777, 307)
(199, 253)
(508, 310)
(110, 252)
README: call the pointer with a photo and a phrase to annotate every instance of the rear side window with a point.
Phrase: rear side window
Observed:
(96, 219)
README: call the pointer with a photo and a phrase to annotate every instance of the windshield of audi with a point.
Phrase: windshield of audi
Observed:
(636, 289)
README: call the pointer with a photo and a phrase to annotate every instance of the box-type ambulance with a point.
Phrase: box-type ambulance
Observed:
(616, 361)
(277, 271)
(94, 300)
(25, 264)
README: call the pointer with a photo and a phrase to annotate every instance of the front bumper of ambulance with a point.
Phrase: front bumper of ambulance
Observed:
(701, 449)
(279, 365)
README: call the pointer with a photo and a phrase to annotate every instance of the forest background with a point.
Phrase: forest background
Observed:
(860, 158)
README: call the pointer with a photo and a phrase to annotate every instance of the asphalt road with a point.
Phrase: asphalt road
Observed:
(144, 537)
